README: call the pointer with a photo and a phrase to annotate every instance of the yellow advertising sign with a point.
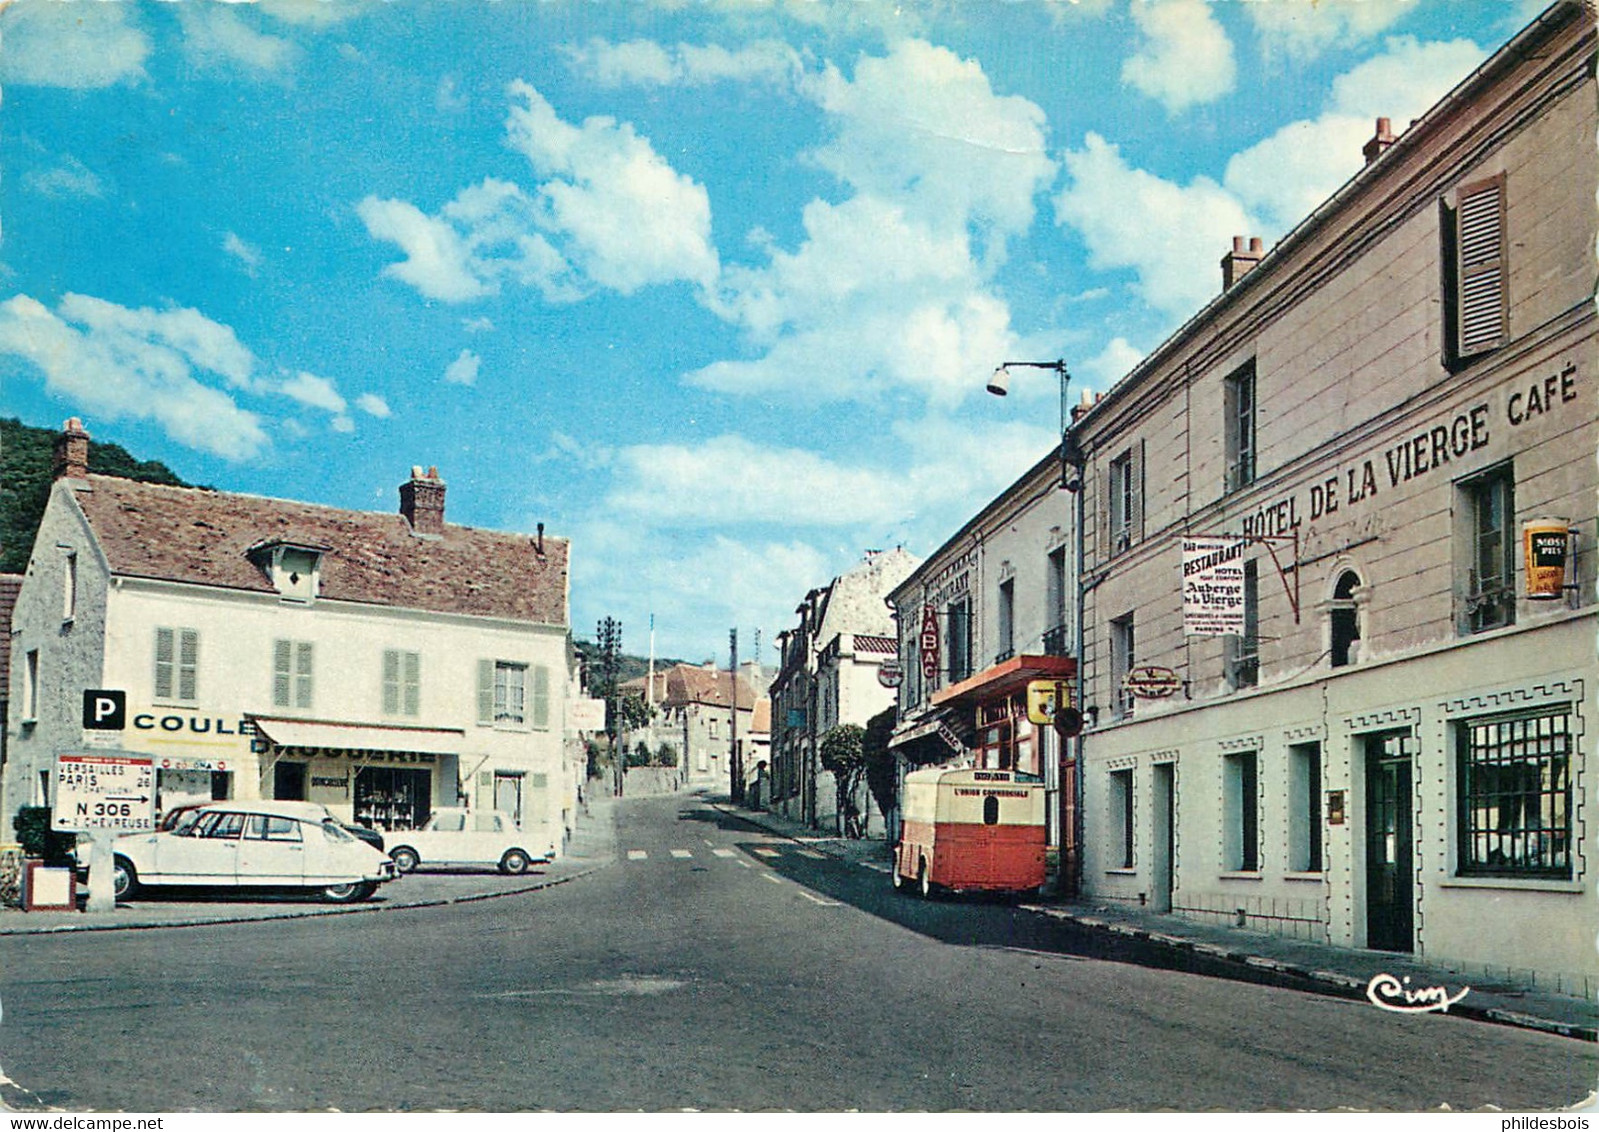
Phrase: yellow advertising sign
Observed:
(1044, 697)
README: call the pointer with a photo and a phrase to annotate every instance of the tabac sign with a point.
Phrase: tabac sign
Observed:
(1213, 586)
(929, 644)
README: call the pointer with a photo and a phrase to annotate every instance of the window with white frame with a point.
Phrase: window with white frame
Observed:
(1007, 620)
(177, 665)
(1304, 808)
(1122, 502)
(1123, 651)
(1243, 649)
(1120, 819)
(510, 693)
(1240, 431)
(292, 663)
(402, 682)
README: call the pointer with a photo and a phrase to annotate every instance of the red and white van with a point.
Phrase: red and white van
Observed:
(971, 830)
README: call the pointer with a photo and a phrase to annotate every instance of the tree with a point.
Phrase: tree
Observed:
(842, 754)
(666, 755)
(882, 773)
(635, 713)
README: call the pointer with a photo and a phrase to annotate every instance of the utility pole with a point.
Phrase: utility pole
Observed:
(734, 762)
(609, 635)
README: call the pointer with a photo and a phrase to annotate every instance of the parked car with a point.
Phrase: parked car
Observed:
(253, 845)
(181, 816)
(454, 836)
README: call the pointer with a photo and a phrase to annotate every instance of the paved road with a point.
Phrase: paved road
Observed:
(713, 967)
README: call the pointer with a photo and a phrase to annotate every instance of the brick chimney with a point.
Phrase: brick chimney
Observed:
(1381, 140)
(71, 459)
(1246, 253)
(422, 502)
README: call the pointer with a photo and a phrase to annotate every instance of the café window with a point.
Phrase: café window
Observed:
(1514, 775)
(1344, 621)
(1304, 808)
(1241, 812)
(1120, 823)
(1487, 547)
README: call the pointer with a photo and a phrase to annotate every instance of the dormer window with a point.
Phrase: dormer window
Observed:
(294, 568)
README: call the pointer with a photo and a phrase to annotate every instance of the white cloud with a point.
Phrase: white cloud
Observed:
(247, 254)
(116, 363)
(642, 62)
(373, 405)
(1304, 29)
(1172, 236)
(78, 46)
(448, 97)
(463, 370)
(317, 392)
(477, 325)
(342, 423)
(1283, 178)
(216, 36)
(891, 288)
(438, 258)
(624, 217)
(72, 178)
(1185, 58)
(1110, 365)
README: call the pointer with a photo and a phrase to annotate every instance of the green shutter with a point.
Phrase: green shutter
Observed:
(413, 683)
(485, 691)
(163, 664)
(391, 682)
(188, 665)
(541, 696)
(302, 674)
(282, 659)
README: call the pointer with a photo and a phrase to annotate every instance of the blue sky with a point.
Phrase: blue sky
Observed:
(710, 288)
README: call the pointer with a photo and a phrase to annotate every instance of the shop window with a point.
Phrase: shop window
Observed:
(292, 674)
(1243, 649)
(391, 798)
(1304, 808)
(288, 781)
(1475, 271)
(1488, 549)
(1241, 812)
(177, 665)
(1240, 431)
(1121, 818)
(1344, 621)
(1514, 775)
(402, 682)
(1122, 658)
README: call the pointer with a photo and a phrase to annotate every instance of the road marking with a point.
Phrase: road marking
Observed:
(812, 854)
(814, 899)
(681, 853)
(724, 852)
(768, 852)
(636, 855)
(743, 864)
(771, 878)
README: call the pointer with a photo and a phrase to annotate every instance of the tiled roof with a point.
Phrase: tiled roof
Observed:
(762, 720)
(686, 684)
(9, 585)
(203, 537)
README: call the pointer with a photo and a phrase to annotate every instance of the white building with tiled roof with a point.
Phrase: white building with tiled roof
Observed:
(381, 664)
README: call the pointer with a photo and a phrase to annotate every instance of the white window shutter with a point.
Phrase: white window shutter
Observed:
(1480, 246)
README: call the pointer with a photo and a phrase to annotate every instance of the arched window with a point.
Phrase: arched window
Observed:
(991, 810)
(1345, 618)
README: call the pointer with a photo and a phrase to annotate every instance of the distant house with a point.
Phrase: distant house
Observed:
(381, 664)
(839, 665)
(701, 706)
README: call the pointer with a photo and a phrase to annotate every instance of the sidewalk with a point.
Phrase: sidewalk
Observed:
(592, 847)
(1498, 997)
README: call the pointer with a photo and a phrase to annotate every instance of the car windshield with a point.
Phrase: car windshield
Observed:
(184, 822)
(334, 832)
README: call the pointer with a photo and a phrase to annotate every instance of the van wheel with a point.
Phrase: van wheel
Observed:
(124, 879)
(515, 862)
(405, 859)
(923, 884)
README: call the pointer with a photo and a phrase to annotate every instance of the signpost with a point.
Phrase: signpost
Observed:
(1152, 682)
(1213, 586)
(889, 673)
(103, 795)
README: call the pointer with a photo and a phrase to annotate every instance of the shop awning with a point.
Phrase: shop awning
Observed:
(940, 728)
(1004, 678)
(324, 735)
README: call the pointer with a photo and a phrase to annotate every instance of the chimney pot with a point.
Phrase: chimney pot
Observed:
(422, 502)
(70, 459)
(1380, 141)
(1247, 252)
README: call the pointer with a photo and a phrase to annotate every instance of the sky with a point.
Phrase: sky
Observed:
(712, 289)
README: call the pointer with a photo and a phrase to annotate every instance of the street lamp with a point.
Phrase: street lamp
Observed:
(1072, 460)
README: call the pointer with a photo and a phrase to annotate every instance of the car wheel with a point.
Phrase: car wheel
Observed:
(124, 879)
(352, 893)
(514, 862)
(405, 859)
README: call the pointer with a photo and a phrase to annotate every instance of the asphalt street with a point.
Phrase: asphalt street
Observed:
(714, 966)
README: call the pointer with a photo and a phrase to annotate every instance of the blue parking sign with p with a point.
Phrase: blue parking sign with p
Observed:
(105, 710)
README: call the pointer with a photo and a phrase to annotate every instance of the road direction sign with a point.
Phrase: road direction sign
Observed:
(109, 792)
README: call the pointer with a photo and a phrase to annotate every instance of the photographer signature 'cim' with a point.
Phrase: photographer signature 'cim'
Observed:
(1391, 993)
